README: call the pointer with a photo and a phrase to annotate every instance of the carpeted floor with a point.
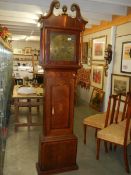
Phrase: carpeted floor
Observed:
(22, 149)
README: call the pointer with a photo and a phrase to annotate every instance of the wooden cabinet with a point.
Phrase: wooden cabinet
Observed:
(60, 53)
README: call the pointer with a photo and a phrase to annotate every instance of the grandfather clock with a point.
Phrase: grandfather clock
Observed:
(60, 53)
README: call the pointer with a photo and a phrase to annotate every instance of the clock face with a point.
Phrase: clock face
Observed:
(62, 46)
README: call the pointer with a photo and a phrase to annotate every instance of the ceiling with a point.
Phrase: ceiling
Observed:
(21, 16)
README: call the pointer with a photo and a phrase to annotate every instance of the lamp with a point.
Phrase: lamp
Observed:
(108, 57)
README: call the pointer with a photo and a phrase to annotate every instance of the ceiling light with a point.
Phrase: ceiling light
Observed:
(27, 38)
(18, 37)
(32, 32)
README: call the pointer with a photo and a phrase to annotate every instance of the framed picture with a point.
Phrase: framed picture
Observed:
(97, 74)
(120, 84)
(98, 48)
(84, 52)
(97, 99)
(17, 51)
(126, 57)
(28, 51)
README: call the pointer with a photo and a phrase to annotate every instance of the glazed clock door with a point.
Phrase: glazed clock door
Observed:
(59, 109)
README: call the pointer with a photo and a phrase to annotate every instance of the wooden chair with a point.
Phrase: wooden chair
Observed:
(98, 121)
(118, 133)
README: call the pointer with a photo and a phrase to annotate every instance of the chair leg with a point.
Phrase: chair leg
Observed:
(110, 146)
(106, 148)
(98, 148)
(115, 147)
(126, 160)
(85, 126)
(96, 132)
(38, 108)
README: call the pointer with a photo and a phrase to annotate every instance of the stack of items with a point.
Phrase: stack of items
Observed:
(83, 78)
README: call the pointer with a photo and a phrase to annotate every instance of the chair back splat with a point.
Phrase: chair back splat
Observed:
(111, 109)
(113, 114)
(118, 108)
(128, 121)
(124, 115)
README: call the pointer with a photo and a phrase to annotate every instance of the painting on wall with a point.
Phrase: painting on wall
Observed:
(98, 48)
(126, 57)
(97, 73)
(97, 99)
(120, 84)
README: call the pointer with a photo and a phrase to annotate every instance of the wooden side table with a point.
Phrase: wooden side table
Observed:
(24, 100)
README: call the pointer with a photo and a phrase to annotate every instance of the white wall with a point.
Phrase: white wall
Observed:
(23, 44)
(121, 34)
(86, 94)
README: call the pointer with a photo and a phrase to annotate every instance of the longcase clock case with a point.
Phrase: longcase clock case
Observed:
(60, 53)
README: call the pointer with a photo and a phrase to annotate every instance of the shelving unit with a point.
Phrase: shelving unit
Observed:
(24, 65)
(6, 65)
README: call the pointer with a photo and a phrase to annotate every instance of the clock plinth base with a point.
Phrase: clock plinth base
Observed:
(57, 154)
(55, 171)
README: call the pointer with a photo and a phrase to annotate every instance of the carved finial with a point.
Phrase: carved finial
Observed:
(54, 4)
(75, 7)
(64, 9)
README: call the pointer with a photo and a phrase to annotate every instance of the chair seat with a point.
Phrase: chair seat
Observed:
(119, 130)
(98, 120)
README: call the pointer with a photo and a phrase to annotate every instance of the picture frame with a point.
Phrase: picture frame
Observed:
(17, 51)
(28, 51)
(126, 57)
(84, 52)
(98, 48)
(97, 76)
(120, 84)
(96, 99)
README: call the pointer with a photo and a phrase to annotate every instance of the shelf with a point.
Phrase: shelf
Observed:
(22, 55)
(25, 55)
(25, 60)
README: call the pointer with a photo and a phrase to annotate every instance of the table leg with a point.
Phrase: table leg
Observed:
(38, 108)
(16, 102)
(29, 119)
